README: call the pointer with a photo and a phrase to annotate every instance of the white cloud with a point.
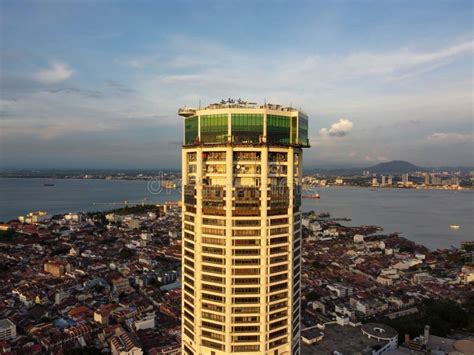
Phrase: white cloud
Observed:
(136, 63)
(450, 137)
(403, 62)
(331, 85)
(339, 129)
(56, 73)
(139, 62)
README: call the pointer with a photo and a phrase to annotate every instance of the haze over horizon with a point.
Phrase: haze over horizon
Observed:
(307, 168)
(98, 84)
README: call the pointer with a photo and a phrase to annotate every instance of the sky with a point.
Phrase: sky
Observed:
(97, 84)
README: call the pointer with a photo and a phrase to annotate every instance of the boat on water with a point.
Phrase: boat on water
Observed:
(454, 226)
(312, 196)
(48, 184)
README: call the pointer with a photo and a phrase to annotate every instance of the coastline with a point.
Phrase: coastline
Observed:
(423, 216)
(169, 176)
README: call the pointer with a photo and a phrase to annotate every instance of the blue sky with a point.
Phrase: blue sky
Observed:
(98, 83)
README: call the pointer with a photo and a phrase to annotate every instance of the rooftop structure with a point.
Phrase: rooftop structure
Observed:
(370, 338)
(7, 329)
(125, 344)
(240, 122)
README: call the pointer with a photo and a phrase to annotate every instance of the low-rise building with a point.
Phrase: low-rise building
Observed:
(7, 329)
(34, 217)
(467, 274)
(121, 284)
(145, 322)
(333, 338)
(124, 343)
(57, 268)
(341, 290)
(384, 280)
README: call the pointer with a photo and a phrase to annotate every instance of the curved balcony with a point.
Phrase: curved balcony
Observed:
(213, 200)
(247, 201)
(190, 195)
(247, 156)
(186, 112)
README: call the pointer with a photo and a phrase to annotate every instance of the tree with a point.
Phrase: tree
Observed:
(312, 296)
(126, 253)
(98, 288)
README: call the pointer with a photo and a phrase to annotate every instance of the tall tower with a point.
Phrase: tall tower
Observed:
(242, 166)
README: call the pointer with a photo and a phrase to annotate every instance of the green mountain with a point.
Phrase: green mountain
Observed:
(394, 167)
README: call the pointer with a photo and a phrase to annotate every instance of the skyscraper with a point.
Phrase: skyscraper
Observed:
(242, 166)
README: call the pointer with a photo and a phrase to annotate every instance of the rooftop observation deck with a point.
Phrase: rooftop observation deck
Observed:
(242, 122)
(235, 104)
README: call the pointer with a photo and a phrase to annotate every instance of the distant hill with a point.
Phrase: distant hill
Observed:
(394, 167)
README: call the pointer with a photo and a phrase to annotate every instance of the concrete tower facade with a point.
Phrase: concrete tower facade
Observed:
(241, 167)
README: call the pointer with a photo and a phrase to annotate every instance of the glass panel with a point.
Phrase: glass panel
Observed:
(278, 129)
(303, 130)
(246, 127)
(214, 128)
(190, 130)
(293, 129)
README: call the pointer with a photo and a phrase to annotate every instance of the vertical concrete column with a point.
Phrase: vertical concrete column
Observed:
(290, 177)
(291, 222)
(265, 127)
(296, 336)
(264, 258)
(298, 138)
(184, 181)
(229, 127)
(228, 247)
(198, 248)
(300, 166)
(199, 128)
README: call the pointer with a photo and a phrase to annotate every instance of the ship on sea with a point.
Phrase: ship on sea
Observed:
(454, 226)
(312, 196)
(48, 184)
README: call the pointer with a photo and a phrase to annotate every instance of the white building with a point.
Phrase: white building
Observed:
(467, 274)
(73, 217)
(341, 290)
(406, 264)
(146, 322)
(34, 217)
(7, 329)
(387, 336)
